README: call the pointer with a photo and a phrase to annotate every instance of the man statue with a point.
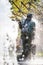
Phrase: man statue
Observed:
(27, 34)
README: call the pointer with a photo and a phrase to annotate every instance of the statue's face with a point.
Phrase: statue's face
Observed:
(29, 18)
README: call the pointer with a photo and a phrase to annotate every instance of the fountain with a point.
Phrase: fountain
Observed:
(8, 35)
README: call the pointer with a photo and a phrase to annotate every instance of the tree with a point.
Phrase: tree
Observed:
(23, 7)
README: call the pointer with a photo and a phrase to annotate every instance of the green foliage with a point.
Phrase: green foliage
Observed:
(22, 7)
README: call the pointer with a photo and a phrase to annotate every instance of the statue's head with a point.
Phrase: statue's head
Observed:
(29, 16)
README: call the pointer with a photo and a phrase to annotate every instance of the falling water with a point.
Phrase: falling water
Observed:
(37, 59)
(8, 35)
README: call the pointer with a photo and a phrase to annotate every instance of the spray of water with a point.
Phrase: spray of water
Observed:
(8, 35)
(6, 26)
